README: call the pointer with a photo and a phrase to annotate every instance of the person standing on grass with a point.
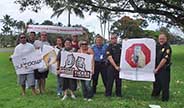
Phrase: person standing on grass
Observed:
(162, 68)
(113, 55)
(100, 62)
(86, 84)
(42, 73)
(31, 40)
(21, 49)
(75, 46)
(59, 46)
(68, 83)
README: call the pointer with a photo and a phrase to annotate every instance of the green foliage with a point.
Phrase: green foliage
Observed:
(173, 38)
(168, 11)
(8, 23)
(127, 27)
(7, 41)
(151, 33)
(135, 94)
(47, 22)
(11, 26)
(30, 21)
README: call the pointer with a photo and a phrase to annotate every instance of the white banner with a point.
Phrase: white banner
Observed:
(76, 65)
(138, 59)
(49, 55)
(53, 67)
(27, 63)
(55, 29)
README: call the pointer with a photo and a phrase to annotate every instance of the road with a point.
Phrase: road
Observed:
(6, 49)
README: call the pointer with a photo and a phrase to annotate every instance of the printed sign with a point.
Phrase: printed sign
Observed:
(76, 65)
(138, 59)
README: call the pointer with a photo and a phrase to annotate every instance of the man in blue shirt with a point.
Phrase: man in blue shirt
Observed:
(99, 54)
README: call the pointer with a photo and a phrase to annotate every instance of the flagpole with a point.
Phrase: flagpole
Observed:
(136, 75)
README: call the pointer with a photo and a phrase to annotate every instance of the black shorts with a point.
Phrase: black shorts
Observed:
(69, 84)
(41, 75)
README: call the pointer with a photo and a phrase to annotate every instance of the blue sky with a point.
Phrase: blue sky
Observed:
(90, 21)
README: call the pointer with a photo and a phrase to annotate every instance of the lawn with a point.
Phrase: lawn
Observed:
(135, 94)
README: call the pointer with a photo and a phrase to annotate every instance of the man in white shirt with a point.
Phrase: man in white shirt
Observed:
(42, 73)
(24, 48)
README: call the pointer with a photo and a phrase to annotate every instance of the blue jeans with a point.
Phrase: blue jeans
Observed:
(87, 89)
(59, 84)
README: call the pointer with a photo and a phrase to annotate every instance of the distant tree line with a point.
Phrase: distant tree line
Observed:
(12, 28)
(125, 27)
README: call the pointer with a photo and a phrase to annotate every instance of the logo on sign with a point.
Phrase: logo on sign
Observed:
(80, 72)
(138, 55)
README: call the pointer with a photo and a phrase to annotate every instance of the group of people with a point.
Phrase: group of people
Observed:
(106, 62)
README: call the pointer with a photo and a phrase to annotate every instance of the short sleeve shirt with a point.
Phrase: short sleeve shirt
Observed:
(163, 52)
(115, 52)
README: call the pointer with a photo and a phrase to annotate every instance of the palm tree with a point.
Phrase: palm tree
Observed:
(30, 22)
(20, 25)
(100, 11)
(6, 30)
(66, 5)
(8, 22)
(105, 18)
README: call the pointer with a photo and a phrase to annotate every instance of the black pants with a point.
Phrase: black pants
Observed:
(113, 74)
(162, 84)
(99, 68)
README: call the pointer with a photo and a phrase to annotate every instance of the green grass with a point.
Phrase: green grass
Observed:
(135, 94)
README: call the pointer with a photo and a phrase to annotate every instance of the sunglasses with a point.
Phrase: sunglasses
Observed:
(22, 37)
(84, 44)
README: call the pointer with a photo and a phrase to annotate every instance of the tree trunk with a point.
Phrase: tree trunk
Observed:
(101, 27)
(108, 29)
(104, 28)
(69, 12)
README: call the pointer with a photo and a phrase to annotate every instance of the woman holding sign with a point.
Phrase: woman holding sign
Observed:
(86, 84)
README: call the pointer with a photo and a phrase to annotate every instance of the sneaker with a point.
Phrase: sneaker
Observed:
(64, 97)
(58, 94)
(73, 97)
(89, 100)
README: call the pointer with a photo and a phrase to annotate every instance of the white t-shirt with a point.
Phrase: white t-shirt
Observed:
(39, 45)
(22, 49)
(57, 49)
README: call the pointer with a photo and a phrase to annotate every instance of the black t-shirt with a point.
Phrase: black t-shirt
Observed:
(114, 50)
(163, 52)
